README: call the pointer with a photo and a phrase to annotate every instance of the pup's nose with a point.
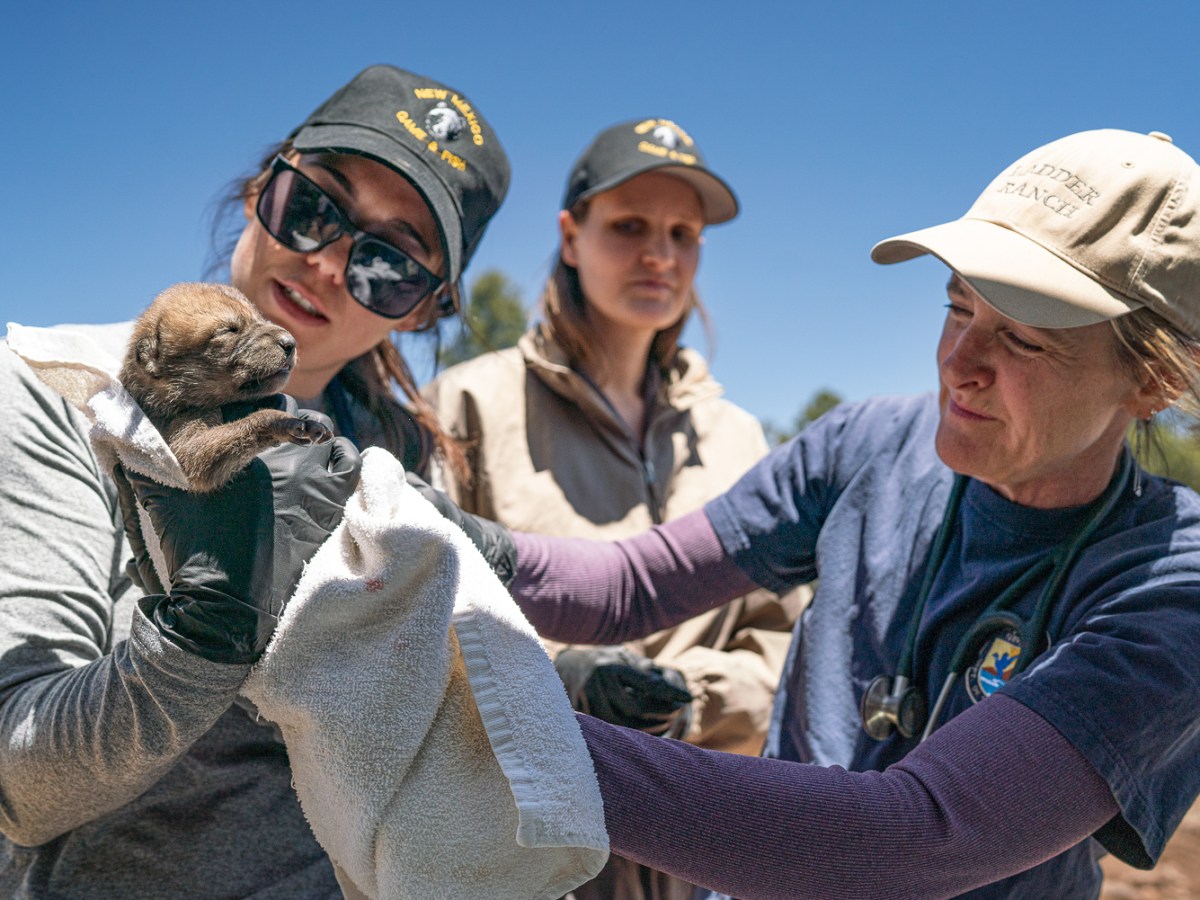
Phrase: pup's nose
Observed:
(288, 345)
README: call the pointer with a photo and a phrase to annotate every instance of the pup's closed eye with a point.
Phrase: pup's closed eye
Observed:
(196, 348)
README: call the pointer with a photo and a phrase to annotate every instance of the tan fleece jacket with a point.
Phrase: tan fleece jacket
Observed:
(551, 456)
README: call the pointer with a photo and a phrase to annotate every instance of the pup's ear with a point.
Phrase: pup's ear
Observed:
(147, 353)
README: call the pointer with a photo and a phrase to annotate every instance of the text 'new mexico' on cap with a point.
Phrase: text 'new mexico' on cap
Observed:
(642, 145)
(428, 132)
(1084, 229)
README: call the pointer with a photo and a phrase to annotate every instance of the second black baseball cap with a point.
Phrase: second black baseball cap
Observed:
(428, 132)
(642, 145)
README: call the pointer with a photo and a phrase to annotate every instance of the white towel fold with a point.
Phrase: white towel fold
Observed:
(468, 771)
(85, 374)
(431, 742)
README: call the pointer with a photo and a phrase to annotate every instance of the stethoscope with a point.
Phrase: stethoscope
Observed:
(892, 702)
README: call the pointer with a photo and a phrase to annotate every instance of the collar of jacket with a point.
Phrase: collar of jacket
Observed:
(688, 382)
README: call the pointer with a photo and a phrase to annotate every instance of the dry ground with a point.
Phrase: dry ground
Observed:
(1176, 877)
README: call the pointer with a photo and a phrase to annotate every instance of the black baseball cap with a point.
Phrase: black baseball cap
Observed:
(643, 145)
(429, 133)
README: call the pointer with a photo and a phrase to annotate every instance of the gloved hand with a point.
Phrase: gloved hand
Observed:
(234, 556)
(625, 688)
(492, 539)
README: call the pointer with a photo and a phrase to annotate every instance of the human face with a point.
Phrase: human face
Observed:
(306, 292)
(1038, 414)
(636, 250)
(302, 217)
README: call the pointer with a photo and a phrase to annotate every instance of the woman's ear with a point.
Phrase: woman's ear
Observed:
(447, 301)
(1157, 391)
(568, 229)
(249, 204)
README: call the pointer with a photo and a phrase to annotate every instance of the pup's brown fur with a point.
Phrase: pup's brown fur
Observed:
(196, 348)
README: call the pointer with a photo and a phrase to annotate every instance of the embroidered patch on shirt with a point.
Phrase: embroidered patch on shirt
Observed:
(995, 666)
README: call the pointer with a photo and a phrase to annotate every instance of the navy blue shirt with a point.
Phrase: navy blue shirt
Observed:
(855, 500)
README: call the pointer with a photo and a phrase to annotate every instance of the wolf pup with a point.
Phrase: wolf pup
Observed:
(197, 347)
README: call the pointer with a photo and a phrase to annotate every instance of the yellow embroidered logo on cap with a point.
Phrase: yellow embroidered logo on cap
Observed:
(664, 140)
(450, 118)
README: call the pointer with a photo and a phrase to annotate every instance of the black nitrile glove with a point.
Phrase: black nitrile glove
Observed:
(625, 688)
(234, 556)
(141, 567)
(492, 539)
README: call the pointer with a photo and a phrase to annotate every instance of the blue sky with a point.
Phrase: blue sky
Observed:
(837, 125)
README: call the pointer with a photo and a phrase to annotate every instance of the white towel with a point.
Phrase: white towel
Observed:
(85, 374)
(432, 745)
(379, 699)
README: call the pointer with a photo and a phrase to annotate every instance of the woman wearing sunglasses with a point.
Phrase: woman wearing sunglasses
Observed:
(600, 424)
(353, 233)
(126, 768)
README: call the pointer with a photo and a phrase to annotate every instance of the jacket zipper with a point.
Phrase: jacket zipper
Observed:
(651, 488)
(647, 466)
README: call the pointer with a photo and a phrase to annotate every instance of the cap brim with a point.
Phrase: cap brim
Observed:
(1018, 276)
(716, 197)
(720, 204)
(348, 138)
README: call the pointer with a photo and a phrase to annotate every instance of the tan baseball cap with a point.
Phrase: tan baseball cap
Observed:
(1087, 228)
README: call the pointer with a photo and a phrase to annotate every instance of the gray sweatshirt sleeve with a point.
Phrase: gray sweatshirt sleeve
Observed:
(94, 705)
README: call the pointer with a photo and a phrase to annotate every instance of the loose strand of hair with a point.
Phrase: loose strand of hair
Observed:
(395, 369)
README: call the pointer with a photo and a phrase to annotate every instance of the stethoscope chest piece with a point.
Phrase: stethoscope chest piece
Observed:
(890, 703)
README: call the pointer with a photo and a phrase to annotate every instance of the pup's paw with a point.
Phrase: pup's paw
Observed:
(306, 431)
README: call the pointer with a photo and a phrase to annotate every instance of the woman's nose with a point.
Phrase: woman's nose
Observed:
(964, 358)
(658, 250)
(330, 261)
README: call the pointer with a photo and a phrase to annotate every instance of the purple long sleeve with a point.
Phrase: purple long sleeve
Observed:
(601, 592)
(954, 814)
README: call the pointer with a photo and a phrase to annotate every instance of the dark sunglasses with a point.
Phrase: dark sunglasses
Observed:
(302, 217)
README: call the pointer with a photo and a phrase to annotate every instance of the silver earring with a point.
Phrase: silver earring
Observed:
(1140, 438)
